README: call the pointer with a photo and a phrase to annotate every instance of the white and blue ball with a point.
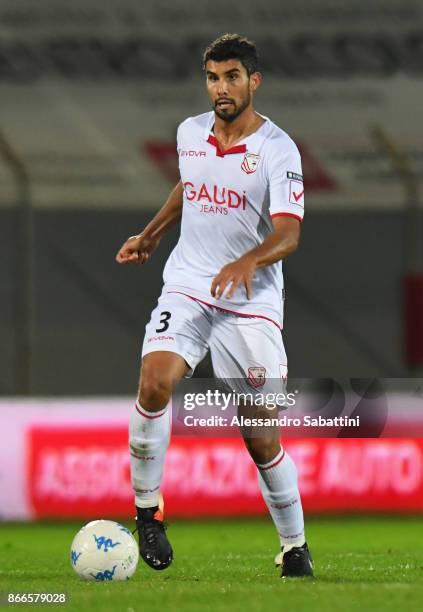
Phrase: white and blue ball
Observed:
(104, 550)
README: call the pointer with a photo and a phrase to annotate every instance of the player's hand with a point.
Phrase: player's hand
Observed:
(137, 249)
(239, 272)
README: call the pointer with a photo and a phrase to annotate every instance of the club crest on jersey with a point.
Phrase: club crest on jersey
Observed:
(256, 376)
(250, 163)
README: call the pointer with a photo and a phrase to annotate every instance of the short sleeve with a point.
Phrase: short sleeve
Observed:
(179, 136)
(182, 132)
(286, 186)
(179, 145)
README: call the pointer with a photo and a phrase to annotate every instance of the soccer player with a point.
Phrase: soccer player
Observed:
(240, 202)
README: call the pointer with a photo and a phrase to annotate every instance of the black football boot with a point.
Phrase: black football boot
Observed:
(154, 546)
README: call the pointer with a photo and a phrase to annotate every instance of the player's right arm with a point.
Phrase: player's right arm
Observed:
(138, 249)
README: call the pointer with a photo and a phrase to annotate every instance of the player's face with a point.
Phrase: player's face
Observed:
(230, 88)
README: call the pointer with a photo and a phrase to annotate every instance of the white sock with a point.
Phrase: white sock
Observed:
(149, 434)
(279, 486)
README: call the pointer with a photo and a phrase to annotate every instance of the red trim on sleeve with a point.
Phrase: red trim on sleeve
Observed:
(286, 214)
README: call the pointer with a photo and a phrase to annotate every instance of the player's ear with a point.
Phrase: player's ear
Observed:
(255, 80)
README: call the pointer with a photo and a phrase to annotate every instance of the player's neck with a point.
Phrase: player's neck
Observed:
(229, 133)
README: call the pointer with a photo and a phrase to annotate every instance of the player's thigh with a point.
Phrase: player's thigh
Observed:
(180, 326)
(249, 355)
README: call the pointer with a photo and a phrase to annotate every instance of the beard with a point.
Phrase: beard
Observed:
(230, 115)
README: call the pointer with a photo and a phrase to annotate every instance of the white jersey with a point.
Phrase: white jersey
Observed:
(230, 198)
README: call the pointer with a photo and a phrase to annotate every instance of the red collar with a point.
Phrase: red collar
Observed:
(236, 149)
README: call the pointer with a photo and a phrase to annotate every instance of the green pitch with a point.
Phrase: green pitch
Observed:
(362, 563)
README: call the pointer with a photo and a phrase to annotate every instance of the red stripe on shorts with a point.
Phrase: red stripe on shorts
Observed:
(240, 314)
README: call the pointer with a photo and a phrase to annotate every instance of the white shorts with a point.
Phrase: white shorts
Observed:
(247, 353)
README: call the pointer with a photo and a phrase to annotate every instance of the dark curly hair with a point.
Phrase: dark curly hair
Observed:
(233, 46)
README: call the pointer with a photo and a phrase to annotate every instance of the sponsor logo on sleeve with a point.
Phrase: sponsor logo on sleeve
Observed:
(295, 176)
(296, 192)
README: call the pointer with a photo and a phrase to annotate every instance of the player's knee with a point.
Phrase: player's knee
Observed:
(262, 450)
(154, 393)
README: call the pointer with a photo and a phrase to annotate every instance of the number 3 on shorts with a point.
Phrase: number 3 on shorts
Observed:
(164, 318)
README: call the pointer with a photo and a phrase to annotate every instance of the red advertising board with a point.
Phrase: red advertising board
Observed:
(83, 471)
(78, 471)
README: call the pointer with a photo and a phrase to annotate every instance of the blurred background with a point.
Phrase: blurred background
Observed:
(91, 95)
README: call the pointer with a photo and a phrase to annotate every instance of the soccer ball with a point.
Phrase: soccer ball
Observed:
(104, 550)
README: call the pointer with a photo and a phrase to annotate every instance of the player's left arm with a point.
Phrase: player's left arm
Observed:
(277, 245)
